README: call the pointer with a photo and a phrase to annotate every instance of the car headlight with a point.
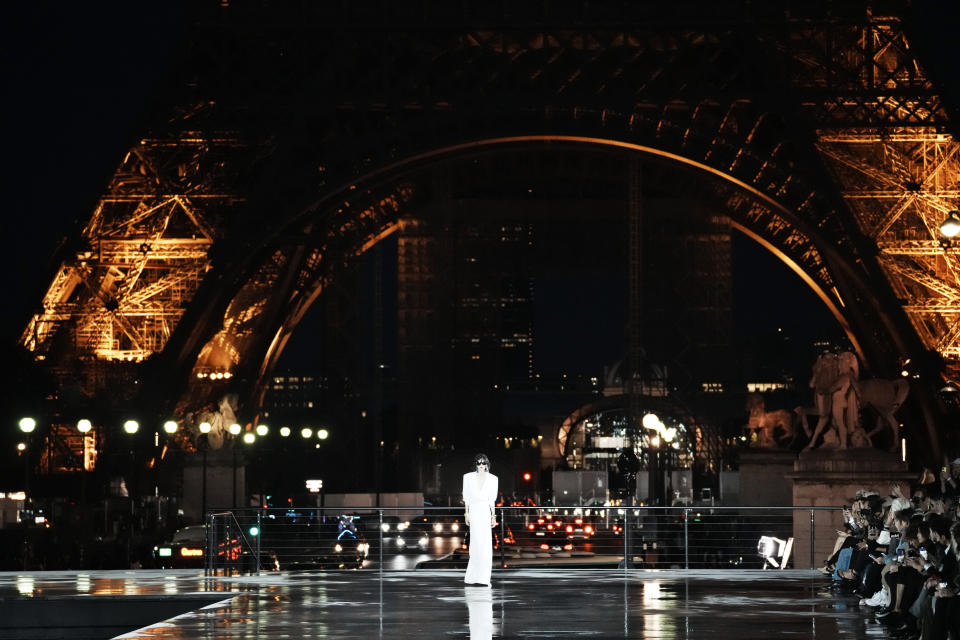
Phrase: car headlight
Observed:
(337, 548)
(424, 541)
(438, 527)
(455, 527)
(385, 527)
(400, 542)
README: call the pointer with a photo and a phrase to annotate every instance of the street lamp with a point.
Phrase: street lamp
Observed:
(262, 430)
(285, 431)
(249, 438)
(306, 432)
(84, 425)
(27, 425)
(234, 430)
(204, 428)
(131, 426)
(323, 434)
(170, 426)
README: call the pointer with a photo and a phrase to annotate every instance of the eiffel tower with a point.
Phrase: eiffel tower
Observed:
(295, 135)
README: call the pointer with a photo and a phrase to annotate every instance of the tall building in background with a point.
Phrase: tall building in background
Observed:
(688, 302)
(465, 291)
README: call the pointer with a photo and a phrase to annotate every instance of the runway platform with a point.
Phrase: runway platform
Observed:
(522, 603)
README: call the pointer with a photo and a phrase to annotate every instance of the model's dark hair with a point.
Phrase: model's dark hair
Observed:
(481, 458)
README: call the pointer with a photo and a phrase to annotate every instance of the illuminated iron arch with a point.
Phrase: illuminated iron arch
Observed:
(806, 154)
(808, 254)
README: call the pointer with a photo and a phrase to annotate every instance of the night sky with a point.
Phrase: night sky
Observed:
(79, 80)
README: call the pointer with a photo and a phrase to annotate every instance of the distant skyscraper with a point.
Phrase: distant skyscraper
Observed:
(464, 318)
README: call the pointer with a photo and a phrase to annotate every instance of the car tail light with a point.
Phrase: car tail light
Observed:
(548, 516)
(539, 520)
(578, 521)
(588, 529)
(531, 526)
(549, 527)
(568, 547)
(545, 546)
(569, 528)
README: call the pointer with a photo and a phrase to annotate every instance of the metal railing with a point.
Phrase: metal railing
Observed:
(407, 538)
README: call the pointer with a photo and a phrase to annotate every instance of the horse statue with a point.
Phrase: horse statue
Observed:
(840, 395)
(884, 397)
(765, 423)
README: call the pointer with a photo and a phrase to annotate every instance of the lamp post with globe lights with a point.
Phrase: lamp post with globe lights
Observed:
(234, 430)
(27, 426)
(203, 444)
(84, 426)
(131, 428)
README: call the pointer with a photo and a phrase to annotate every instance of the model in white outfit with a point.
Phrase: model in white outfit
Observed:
(479, 499)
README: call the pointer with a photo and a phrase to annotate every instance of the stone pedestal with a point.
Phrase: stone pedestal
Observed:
(763, 478)
(831, 478)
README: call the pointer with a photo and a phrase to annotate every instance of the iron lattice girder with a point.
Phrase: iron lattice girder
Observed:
(124, 283)
(899, 189)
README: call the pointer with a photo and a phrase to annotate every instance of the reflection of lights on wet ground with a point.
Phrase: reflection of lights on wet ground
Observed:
(170, 584)
(25, 585)
(83, 583)
(130, 587)
(652, 622)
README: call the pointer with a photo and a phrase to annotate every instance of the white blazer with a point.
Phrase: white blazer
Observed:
(475, 495)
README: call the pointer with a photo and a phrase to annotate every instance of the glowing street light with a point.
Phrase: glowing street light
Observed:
(306, 432)
(285, 431)
(262, 430)
(249, 438)
(21, 446)
(27, 425)
(131, 426)
(235, 429)
(170, 426)
(84, 425)
(204, 427)
(651, 421)
(951, 225)
(323, 434)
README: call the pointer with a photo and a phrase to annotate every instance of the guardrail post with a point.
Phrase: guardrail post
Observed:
(686, 538)
(812, 566)
(627, 556)
(503, 540)
(259, 535)
(208, 560)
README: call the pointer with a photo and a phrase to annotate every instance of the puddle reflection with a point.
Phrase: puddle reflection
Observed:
(480, 608)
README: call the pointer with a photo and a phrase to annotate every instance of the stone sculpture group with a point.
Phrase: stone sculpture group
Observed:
(840, 401)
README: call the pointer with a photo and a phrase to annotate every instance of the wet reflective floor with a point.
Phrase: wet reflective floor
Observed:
(535, 603)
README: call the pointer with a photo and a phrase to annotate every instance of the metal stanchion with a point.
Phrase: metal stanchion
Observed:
(259, 535)
(627, 555)
(812, 565)
(503, 539)
(686, 538)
